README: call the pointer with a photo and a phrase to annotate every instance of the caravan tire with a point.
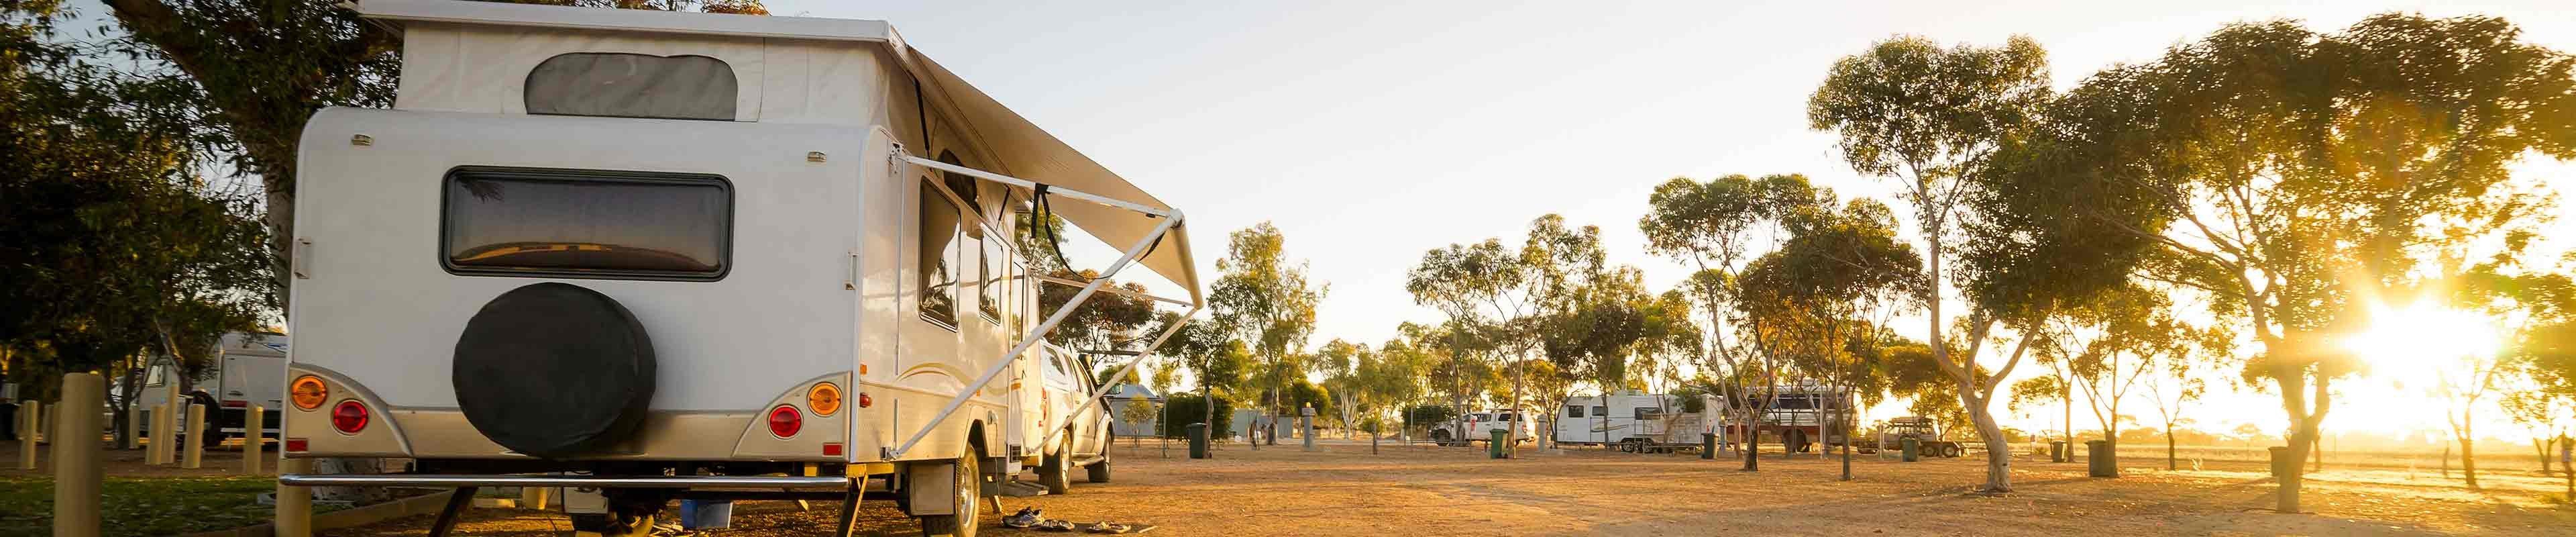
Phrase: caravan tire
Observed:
(963, 503)
(1440, 437)
(517, 356)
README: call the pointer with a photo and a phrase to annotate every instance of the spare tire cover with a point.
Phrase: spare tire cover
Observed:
(554, 370)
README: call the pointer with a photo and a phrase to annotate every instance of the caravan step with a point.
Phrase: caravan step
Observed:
(1019, 489)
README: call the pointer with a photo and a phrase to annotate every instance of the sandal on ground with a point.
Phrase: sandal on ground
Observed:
(1105, 527)
(1054, 525)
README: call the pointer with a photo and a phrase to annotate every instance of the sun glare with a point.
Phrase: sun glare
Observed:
(2411, 344)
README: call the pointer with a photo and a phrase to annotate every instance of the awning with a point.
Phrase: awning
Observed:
(1027, 151)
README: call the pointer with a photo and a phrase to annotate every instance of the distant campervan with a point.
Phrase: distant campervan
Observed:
(684, 255)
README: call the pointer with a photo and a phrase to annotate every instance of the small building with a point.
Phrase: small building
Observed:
(1124, 424)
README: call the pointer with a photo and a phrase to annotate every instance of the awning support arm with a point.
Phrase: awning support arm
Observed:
(1057, 190)
(1087, 402)
(1038, 334)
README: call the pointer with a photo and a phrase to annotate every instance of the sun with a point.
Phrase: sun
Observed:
(2414, 343)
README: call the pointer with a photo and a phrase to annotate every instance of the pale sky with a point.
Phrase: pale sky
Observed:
(1369, 132)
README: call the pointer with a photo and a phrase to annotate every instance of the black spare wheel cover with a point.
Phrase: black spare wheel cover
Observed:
(553, 370)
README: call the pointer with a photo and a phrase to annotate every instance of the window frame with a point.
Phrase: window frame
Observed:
(724, 238)
(957, 234)
(1574, 411)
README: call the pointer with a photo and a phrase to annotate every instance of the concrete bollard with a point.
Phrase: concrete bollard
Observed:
(253, 421)
(28, 411)
(195, 445)
(77, 474)
(161, 437)
(294, 504)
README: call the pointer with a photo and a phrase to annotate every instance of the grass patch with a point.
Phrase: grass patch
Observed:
(143, 506)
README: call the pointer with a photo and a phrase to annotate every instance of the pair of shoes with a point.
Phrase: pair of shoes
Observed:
(1027, 517)
(1106, 527)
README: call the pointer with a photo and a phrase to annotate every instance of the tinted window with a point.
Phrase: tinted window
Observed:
(1573, 411)
(1645, 413)
(632, 85)
(578, 223)
(1598, 410)
(937, 256)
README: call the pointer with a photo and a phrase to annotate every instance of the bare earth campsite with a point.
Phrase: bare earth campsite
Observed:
(1422, 490)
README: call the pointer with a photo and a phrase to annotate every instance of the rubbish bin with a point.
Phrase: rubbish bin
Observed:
(1911, 447)
(1198, 440)
(2099, 461)
(2283, 463)
(1708, 446)
(1497, 440)
(2057, 452)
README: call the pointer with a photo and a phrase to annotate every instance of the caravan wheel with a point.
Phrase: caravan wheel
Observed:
(962, 519)
(1440, 437)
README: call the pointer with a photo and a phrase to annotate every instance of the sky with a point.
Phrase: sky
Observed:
(1372, 131)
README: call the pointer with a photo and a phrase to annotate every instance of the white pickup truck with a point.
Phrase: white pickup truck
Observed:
(1474, 427)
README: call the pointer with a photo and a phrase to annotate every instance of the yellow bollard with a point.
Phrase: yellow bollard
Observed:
(77, 473)
(253, 419)
(534, 497)
(195, 445)
(28, 411)
(294, 504)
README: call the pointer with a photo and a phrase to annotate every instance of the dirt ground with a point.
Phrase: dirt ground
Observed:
(1419, 490)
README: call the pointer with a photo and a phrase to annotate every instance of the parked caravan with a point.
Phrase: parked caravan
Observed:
(1799, 416)
(246, 369)
(665, 255)
(1637, 422)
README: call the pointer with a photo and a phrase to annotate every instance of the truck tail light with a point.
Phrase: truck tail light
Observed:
(784, 421)
(350, 417)
(295, 445)
(832, 449)
(236, 404)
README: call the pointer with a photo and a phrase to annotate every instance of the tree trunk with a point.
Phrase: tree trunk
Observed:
(1998, 453)
(2542, 445)
(2169, 447)
(2468, 457)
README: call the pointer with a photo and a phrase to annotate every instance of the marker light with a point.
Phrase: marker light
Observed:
(308, 392)
(350, 417)
(864, 400)
(785, 420)
(824, 398)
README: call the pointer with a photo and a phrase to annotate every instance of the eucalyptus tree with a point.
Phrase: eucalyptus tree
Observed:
(1339, 362)
(1266, 300)
(1808, 302)
(1717, 227)
(1932, 118)
(1487, 291)
(2298, 177)
(2131, 330)
(1211, 355)
(2181, 381)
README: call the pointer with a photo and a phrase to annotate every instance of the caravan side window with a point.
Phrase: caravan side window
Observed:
(936, 260)
(1573, 411)
(633, 85)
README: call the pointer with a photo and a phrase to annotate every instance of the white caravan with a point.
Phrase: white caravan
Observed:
(248, 369)
(685, 255)
(1636, 422)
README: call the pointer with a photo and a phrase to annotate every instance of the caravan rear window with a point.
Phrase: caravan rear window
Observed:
(586, 223)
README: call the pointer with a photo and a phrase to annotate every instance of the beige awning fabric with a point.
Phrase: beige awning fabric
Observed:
(1028, 152)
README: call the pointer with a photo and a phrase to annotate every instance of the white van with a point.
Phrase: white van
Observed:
(688, 256)
(249, 369)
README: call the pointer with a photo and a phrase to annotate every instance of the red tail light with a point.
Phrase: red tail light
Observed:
(350, 417)
(784, 421)
(236, 404)
(295, 445)
(832, 449)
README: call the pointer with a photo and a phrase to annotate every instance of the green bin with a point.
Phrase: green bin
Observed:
(1912, 448)
(2099, 461)
(1499, 438)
